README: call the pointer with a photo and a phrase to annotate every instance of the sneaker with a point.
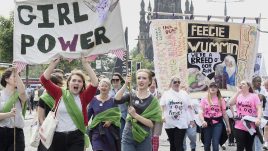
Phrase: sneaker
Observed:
(223, 147)
(265, 146)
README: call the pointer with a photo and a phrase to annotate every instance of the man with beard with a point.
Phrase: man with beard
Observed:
(256, 82)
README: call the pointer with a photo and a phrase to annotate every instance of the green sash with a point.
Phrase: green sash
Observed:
(48, 99)
(112, 114)
(11, 101)
(75, 113)
(152, 112)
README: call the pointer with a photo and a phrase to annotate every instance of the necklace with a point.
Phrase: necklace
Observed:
(102, 99)
(143, 96)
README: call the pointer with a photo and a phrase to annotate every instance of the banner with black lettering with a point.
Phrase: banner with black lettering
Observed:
(46, 29)
(203, 52)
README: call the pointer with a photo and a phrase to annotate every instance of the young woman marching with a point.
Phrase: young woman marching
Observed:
(105, 126)
(213, 112)
(247, 103)
(12, 101)
(72, 114)
(143, 110)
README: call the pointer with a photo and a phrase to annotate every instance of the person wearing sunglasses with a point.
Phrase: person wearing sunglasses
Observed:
(212, 115)
(116, 85)
(176, 108)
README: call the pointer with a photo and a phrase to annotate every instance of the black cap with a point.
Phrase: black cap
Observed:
(213, 84)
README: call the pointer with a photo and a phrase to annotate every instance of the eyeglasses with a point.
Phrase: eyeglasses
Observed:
(176, 82)
(115, 80)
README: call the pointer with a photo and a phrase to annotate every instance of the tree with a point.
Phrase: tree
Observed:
(6, 39)
(138, 57)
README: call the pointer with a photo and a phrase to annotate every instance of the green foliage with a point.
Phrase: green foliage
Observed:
(138, 57)
(6, 39)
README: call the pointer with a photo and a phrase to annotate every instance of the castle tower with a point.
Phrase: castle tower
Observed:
(171, 6)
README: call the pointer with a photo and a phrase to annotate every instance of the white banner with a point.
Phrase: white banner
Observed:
(203, 52)
(46, 29)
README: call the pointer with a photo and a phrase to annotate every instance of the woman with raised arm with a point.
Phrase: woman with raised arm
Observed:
(70, 134)
(212, 114)
(12, 103)
(143, 110)
(247, 103)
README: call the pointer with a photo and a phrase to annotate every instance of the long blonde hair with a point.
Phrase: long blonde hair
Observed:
(219, 96)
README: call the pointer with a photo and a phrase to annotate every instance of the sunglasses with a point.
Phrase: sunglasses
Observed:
(176, 82)
(213, 86)
(115, 80)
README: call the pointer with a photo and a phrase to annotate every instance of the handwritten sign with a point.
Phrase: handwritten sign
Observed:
(200, 53)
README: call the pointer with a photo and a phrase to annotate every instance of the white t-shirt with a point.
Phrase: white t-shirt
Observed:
(177, 107)
(9, 122)
(265, 110)
(65, 121)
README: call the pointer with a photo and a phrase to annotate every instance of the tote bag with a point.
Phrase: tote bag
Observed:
(47, 129)
(35, 137)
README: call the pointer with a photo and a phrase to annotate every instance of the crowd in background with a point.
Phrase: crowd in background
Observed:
(114, 116)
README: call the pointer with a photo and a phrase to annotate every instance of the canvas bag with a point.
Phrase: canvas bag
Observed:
(35, 137)
(47, 129)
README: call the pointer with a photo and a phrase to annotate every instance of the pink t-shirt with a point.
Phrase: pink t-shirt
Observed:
(246, 105)
(214, 110)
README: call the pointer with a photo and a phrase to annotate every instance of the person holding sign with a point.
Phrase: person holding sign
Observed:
(177, 115)
(105, 126)
(144, 110)
(12, 108)
(212, 114)
(247, 104)
(70, 134)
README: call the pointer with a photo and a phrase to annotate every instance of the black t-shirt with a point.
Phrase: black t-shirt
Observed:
(139, 104)
(43, 105)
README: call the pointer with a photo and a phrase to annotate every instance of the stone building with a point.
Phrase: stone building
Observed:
(171, 6)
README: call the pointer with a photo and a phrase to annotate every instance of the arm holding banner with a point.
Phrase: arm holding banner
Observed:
(20, 87)
(90, 72)
(119, 94)
(12, 113)
(51, 67)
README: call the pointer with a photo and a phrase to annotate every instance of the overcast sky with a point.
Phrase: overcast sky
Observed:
(130, 15)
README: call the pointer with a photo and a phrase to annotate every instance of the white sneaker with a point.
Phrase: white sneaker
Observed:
(265, 146)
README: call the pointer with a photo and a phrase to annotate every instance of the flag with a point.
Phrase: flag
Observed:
(91, 58)
(119, 53)
(20, 66)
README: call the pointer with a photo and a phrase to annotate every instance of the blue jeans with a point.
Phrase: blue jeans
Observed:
(257, 145)
(212, 133)
(191, 133)
(123, 122)
(129, 144)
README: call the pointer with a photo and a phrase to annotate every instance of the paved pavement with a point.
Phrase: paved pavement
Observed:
(164, 144)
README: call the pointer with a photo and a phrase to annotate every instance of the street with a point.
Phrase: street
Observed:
(164, 144)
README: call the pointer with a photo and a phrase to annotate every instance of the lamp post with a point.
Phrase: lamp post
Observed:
(225, 3)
